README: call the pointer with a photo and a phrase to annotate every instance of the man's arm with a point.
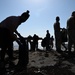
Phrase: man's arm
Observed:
(18, 33)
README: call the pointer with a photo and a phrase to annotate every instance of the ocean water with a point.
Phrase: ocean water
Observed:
(16, 46)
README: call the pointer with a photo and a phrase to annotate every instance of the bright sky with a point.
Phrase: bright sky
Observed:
(42, 14)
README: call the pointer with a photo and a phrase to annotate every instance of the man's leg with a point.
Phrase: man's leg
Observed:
(69, 46)
(3, 51)
(10, 50)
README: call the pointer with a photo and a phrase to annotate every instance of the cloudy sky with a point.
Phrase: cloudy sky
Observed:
(42, 14)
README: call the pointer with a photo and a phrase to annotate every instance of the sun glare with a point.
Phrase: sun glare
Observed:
(37, 1)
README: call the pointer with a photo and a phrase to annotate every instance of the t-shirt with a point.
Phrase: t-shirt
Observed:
(71, 23)
(57, 27)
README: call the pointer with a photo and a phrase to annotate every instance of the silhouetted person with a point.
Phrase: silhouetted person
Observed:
(43, 42)
(7, 28)
(23, 55)
(51, 42)
(30, 41)
(35, 42)
(71, 31)
(57, 34)
(48, 40)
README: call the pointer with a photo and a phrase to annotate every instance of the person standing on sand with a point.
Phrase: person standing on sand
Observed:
(35, 42)
(57, 34)
(51, 41)
(71, 32)
(48, 40)
(7, 29)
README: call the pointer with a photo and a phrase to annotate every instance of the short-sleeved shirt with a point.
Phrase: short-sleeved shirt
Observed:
(57, 27)
(71, 23)
(11, 23)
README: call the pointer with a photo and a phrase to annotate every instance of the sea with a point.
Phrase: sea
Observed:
(16, 46)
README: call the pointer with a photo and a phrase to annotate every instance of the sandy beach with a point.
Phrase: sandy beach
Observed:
(46, 63)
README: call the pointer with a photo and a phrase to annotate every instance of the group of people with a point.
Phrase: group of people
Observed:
(9, 33)
(65, 35)
(47, 42)
(33, 42)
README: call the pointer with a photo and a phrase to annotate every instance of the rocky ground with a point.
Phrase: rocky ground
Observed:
(45, 63)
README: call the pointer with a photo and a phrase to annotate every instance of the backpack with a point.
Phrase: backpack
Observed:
(43, 43)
